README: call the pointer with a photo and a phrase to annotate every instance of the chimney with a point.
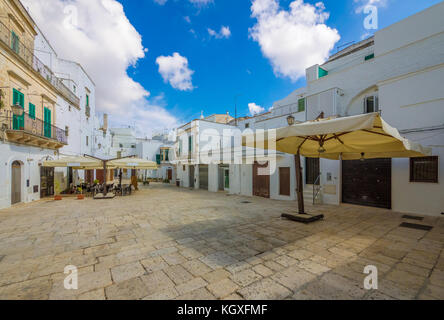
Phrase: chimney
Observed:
(105, 122)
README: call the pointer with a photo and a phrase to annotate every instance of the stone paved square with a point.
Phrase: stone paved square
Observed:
(212, 246)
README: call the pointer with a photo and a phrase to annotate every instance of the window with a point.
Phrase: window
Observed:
(87, 140)
(66, 130)
(47, 128)
(180, 147)
(424, 169)
(301, 105)
(369, 57)
(183, 168)
(322, 73)
(18, 122)
(87, 100)
(247, 125)
(74, 88)
(15, 42)
(190, 144)
(371, 104)
(32, 111)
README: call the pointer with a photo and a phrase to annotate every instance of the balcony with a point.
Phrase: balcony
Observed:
(28, 130)
(27, 56)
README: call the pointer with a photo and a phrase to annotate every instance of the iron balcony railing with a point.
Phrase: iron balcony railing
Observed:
(29, 124)
(34, 63)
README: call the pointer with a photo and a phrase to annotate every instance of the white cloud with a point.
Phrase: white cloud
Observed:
(187, 19)
(160, 2)
(174, 69)
(106, 44)
(224, 32)
(292, 39)
(255, 109)
(361, 4)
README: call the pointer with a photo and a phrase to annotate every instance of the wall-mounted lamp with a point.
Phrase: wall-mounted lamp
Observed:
(17, 110)
(290, 120)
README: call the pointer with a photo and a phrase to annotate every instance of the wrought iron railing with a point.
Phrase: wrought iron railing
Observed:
(29, 124)
(34, 63)
(317, 188)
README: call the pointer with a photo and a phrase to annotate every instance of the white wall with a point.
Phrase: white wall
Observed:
(29, 157)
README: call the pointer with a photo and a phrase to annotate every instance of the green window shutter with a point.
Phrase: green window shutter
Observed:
(369, 57)
(18, 122)
(31, 111)
(47, 123)
(190, 144)
(322, 73)
(158, 158)
(301, 105)
(15, 42)
(167, 157)
(87, 100)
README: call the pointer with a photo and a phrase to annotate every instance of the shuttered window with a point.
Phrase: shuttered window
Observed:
(424, 169)
(322, 73)
(284, 181)
(18, 122)
(15, 42)
(47, 122)
(32, 111)
(369, 57)
(301, 105)
(158, 159)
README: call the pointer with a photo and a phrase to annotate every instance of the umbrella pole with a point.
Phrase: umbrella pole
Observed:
(105, 189)
(299, 182)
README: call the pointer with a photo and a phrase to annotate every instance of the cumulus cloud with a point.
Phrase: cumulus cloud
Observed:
(255, 109)
(106, 44)
(361, 4)
(224, 32)
(292, 39)
(174, 69)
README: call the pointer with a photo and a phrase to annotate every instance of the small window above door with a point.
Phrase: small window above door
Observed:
(371, 104)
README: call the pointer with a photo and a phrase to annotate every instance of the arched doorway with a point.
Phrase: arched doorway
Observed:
(16, 182)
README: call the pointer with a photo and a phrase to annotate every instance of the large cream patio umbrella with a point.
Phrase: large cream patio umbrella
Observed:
(365, 136)
(133, 163)
(75, 162)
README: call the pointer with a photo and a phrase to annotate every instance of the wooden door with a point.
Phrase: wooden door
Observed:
(203, 177)
(191, 176)
(312, 170)
(367, 182)
(46, 182)
(284, 181)
(170, 174)
(16, 182)
(261, 183)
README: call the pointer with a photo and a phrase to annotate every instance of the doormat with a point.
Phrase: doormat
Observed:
(412, 217)
(415, 226)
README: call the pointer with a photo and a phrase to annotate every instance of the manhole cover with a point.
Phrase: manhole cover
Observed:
(415, 226)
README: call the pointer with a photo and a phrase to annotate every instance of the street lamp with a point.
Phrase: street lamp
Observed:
(290, 120)
(17, 110)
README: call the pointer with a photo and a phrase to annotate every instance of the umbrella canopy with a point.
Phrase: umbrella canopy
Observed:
(365, 136)
(75, 162)
(132, 163)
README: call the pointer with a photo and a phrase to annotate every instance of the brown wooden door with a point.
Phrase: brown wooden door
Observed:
(284, 181)
(170, 174)
(46, 182)
(191, 176)
(89, 176)
(261, 183)
(16, 182)
(312, 170)
(100, 175)
(367, 182)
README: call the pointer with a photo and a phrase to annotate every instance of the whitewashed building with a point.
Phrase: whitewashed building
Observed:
(398, 72)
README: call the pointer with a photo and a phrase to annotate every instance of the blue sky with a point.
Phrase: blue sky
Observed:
(235, 65)
(158, 63)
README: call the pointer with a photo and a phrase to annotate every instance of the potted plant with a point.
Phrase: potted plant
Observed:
(80, 195)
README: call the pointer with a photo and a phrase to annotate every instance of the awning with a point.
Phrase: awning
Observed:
(365, 136)
(75, 162)
(132, 163)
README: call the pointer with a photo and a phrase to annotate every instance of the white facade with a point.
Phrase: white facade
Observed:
(399, 71)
